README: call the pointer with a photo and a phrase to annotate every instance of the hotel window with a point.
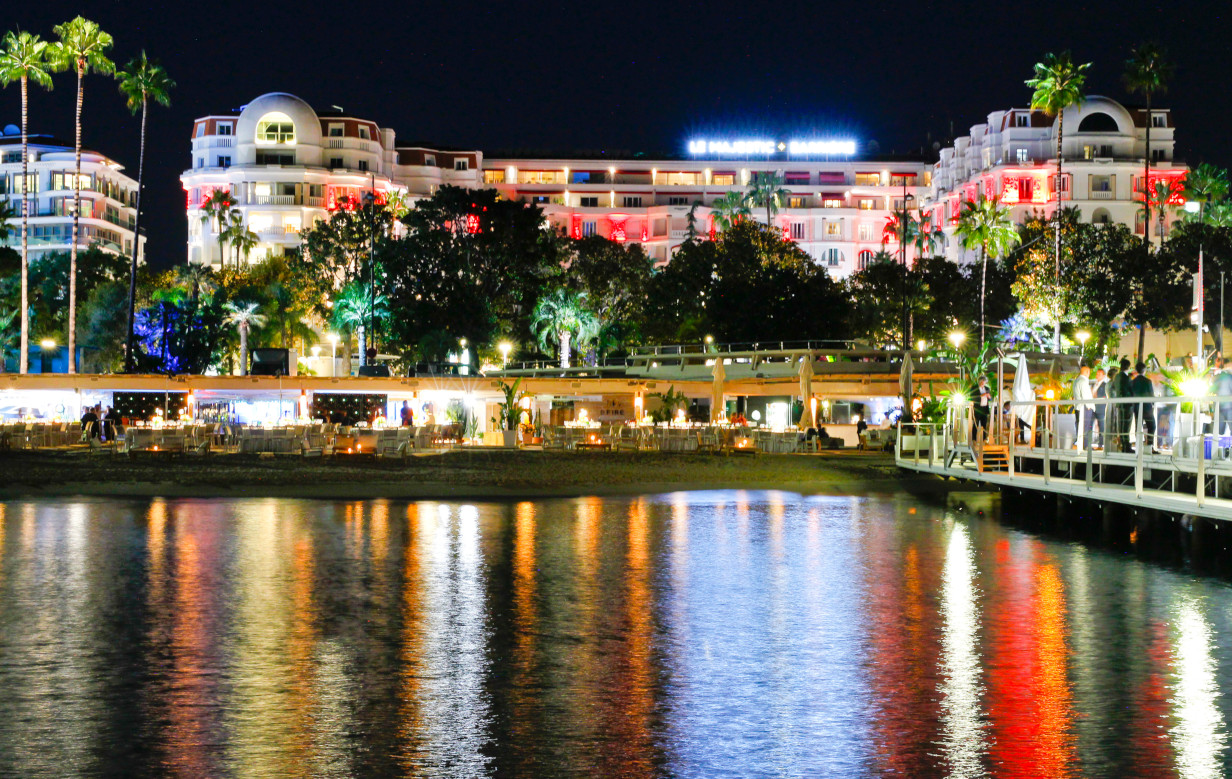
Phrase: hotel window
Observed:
(1159, 155)
(589, 228)
(335, 162)
(32, 182)
(834, 229)
(581, 177)
(60, 181)
(541, 200)
(1022, 155)
(461, 163)
(363, 133)
(224, 128)
(796, 179)
(796, 201)
(832, 202)
(868, 179)
(494, 176)
(682, 179)
(1159, 120)
(1022, 120)
(902, 180)
(833, 257)
(676, 200)
(797, 231)
(335, 131)
(658, 228)
(986, 155)
(275, 128)
(724, 179)
(632, 202)
(363, 165)
(865, 231)
(275, 158)
(1101, 183)
(541, 177)
(590, 202)
(200, 130)
(224, 162)
(866, 258)
(430, 160)
(866, 203)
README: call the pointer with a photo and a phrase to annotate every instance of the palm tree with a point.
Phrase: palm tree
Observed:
(215, 212)
(24, 58)
(239, 236)
(142, 81)
(6, 333)
(1057, 85)
(353, 308)
(244, 316)
(986, 224)
(927, 235)
(767, 190)
(1206, 185)
(1164, 195)
(562, 316)
(197, 279)
(1147, 71)
(901, 227)
(82, 46)
(728, 209)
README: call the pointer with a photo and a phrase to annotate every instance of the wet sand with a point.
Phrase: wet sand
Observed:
(468, 473)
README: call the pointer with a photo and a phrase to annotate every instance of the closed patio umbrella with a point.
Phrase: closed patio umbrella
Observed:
(1023, 394)
(904, 383)
(716, 390)
(806, 389)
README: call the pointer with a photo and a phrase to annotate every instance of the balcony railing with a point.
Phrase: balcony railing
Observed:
(1097, 195)
(274, 200)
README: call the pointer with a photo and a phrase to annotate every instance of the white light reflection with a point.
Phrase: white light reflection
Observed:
(1198, 737)
(962, 731)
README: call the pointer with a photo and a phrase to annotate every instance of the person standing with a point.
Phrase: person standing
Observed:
(1099, 411)
(983, 407)
(1143, 387)
(1120, 387)
(1080, 390)
(1223, 391)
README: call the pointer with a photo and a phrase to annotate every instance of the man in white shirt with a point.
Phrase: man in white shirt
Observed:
(1080, 390)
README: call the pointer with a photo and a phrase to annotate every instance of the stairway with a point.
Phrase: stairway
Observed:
(994, 458)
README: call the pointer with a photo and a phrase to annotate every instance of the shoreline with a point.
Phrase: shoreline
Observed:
(469, 474)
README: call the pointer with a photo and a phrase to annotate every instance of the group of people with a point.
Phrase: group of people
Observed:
(1116, 421)
(95, 423)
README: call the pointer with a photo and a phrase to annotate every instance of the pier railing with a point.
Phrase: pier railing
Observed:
(1158, 449)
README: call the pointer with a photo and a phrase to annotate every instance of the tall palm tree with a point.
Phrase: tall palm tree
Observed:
(900, 227)
(354, 307)
(1206, 185)
(24, 58)
(239, 236)
(767, 191)
(244, 316)
(142, 81)
(1147, 71)
(82, 47)
(986, 224)
(216, 212)
(562, 316)
(196, 279)
(927, 235)
(728, 209)
(1057, 85)
(7, 338)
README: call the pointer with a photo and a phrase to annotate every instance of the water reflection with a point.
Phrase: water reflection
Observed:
(692, 634)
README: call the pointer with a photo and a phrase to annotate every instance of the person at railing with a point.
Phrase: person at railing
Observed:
(983, 408)
(1099, 411)
(1143, 387)
(1223, 390)
(1119, 387)
(1080, 389)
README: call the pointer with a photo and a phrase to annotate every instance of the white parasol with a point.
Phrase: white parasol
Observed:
(1023, 393)
(806, 389)
(716, 390)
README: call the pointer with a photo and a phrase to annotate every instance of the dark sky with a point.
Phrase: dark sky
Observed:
(641, 76)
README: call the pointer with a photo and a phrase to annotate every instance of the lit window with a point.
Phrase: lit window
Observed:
(795, 201)
(832, 202)
(724, 179)
(865, 232)
(868, 179)
(275, 128)
(494, 177)
(834, 229)
(1022, 156)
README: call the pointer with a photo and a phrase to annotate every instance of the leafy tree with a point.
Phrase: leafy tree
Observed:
(102, 327)
(9, 334)
(23, 58)
(563, 316)
(216, 213)
(242, 239)
(142, 81)
(986, 224)
(82, 47)
(1147, 72)
(1106, 276)
(616, 279)
(1206, 185)
(1170, 293)
(1057, 85)
(879, 294)
(950, 298)
(49, 276)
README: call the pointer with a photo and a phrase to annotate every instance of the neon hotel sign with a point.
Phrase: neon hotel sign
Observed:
(762, 148)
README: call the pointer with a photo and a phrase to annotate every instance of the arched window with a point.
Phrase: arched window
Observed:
(834, 258)
(866, 258)
(275, 128)
(1101, 217)
(1098, 122)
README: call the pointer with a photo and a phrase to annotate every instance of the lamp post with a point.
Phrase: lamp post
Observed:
(709, 343)
(505, 347)
(333, 365)
(47, 344)
(465, 358)
(957, 337)
(1083, 335)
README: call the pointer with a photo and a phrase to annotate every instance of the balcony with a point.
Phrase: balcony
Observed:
(274, 200)
(1109, 195)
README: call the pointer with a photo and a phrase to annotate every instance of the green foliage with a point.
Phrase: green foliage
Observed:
(510, 411)
(671, 401)
(561, 317)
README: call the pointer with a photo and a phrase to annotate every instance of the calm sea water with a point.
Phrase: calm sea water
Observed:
(695, 634)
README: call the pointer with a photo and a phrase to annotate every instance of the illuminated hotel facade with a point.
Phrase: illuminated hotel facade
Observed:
(1012, 156)
(108, 197)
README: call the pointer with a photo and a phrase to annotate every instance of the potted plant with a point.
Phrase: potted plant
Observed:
(510, 414)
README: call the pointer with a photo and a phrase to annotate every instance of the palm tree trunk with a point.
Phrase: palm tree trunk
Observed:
(564, 348)
(23, 360)
(72, 264)
(132, 267)
(983, 289)
(1141, 341)
(361, 339)
(1056, 333)
(243, 348)
(1146, 178)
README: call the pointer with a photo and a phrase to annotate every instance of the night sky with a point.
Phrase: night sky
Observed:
(559, 77)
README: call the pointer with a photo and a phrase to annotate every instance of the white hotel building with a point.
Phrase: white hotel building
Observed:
(1013, 156)
(288, 165)
(108, 196)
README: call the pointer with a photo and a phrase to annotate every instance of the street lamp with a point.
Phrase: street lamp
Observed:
(709, 343)
(921, 345)
(957, 337)
(48, 344)
(505, 347)
(1083, 335)
(333, 343)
